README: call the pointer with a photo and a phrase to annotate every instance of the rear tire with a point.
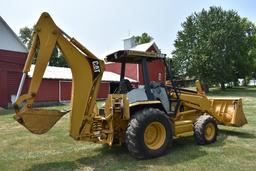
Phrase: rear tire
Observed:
(149, 134)
(205, 130)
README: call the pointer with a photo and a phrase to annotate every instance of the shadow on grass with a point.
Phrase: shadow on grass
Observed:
(237, 134)
(234, 92)
(6, 112)
(183, 150)
(105, 158)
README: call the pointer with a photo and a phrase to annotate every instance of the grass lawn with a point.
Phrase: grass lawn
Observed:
(234, 150)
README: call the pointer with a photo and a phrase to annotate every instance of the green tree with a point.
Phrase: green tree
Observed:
(25, 36)
(143, 38)
(214, 46)
(57, 58)
(244, 64)
(58, 61)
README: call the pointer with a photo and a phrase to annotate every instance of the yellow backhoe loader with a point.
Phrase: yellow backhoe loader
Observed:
(145, 119)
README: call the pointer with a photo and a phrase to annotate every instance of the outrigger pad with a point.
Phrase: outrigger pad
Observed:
(39, 121)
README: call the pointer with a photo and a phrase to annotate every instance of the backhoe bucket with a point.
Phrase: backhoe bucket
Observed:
(229, 112)
(39, 121)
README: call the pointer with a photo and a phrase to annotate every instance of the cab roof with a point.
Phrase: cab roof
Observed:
(131, 56)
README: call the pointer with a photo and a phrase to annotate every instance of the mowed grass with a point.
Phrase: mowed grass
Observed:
(55, 150)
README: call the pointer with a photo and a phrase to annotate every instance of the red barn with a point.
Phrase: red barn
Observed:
(134, 71)
(13, 54)
(57, 82)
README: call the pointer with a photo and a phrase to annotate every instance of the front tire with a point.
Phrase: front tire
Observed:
(205, 130)
(149, 134)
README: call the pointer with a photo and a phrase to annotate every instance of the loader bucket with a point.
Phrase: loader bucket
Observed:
(39, 121)
(229, 112)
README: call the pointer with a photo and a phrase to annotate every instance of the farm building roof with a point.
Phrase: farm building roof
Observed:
(145, 46)
(53, 72)
(9, 40)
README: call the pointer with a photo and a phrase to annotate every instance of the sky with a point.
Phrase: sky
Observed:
(101, 25)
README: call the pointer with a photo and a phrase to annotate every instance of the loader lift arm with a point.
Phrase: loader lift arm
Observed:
(87, 71)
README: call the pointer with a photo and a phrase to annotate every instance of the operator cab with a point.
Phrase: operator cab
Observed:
(151, 90)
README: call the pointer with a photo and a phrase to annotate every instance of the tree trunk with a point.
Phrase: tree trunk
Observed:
(236, 82)
(245, 82)
(222, 85)
(205, 88)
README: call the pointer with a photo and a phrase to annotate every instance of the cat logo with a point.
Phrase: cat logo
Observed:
(96, 66)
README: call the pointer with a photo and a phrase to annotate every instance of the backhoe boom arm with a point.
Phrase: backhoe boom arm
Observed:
(87, 71)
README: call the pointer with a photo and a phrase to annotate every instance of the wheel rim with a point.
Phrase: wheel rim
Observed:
(209, 131)
(154, 135)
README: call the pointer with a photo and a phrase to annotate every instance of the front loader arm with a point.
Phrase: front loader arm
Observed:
(86, 70)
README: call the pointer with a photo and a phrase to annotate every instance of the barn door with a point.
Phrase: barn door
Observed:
(65, 91)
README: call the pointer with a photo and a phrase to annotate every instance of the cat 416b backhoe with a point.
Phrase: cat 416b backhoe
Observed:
(145, 119)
